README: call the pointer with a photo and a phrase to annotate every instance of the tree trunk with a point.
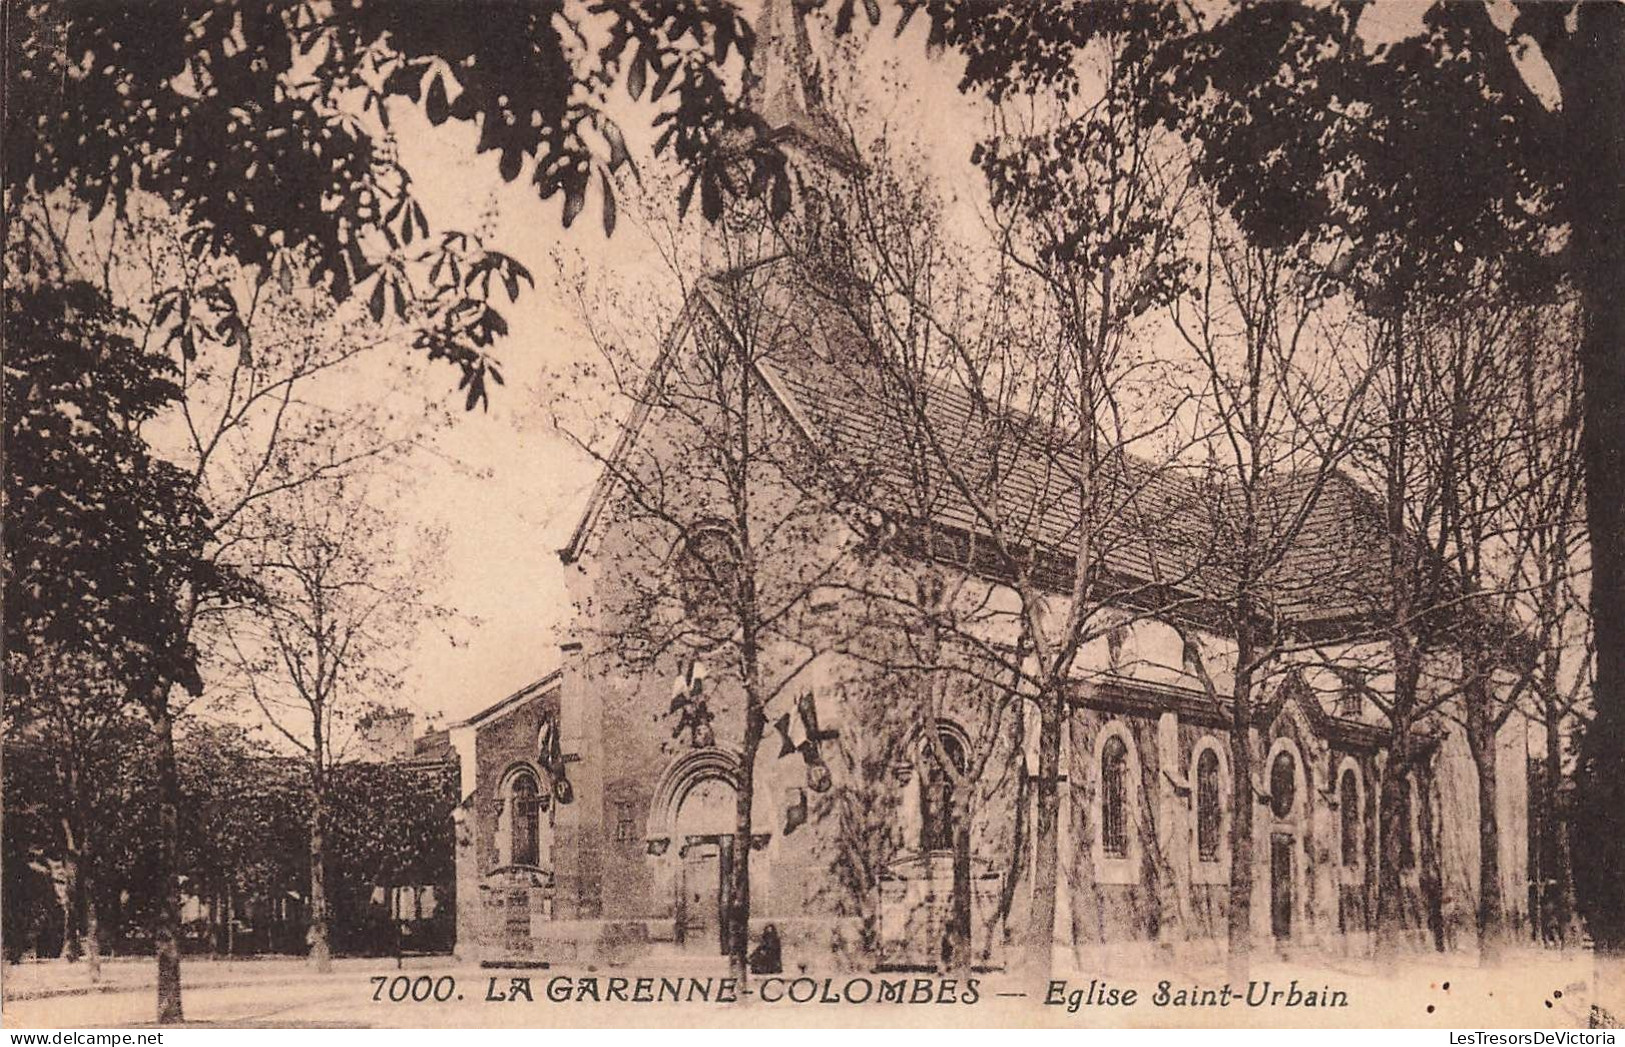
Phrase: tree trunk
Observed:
(321, 954)
(1430, 874)
(1239, 913)
(1239, 917)
(739, 871)
(1593, 89)
(93, 930)
(167, 933)
(1491, 905)
(73, 855)
(1046, 857)
(1167, 903)
(1018, 843)
(1391, 824)
(72, 891)
(91, 942)
(958, 958)
(1559, 898)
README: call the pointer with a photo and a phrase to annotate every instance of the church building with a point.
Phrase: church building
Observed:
(600, 819)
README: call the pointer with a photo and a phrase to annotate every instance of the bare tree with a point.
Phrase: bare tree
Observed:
(1553, 576)
(1407, 604)
(1089, 198)
(714, 502)
(1510, 460)
(343, 599)
(1469, 368)
(254, 350)
(1017, 445)
(1440, 452)
(904, 300)
(1278, 402)
(1477, 452)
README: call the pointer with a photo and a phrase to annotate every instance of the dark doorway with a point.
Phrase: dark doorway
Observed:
(937, 792)
(703, 891)
(1281, 885)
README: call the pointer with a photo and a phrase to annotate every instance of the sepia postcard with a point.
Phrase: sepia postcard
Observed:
(814, 513)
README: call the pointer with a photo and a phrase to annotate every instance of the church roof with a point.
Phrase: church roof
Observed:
(1025, 482)
(1025, 477)
(513, 701)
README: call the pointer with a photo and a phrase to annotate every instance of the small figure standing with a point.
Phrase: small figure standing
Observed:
(765, 958)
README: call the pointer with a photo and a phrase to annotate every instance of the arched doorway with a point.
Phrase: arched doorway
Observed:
(703, 832)
(941, 765)
(518, 891)
(1287, 801)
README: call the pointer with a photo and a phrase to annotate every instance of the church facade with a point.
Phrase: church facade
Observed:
(632, 852)
(600, 814)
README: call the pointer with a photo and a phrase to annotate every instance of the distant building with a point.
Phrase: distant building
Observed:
(384, 737)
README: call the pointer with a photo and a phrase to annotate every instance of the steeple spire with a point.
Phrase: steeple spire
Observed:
(784, 85)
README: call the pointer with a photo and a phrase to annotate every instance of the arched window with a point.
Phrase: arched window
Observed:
(1114, 798)
(1207, 806)
(707, 575)
(524, 825)
(937, 792)
(1348, 809)
(1283, 784)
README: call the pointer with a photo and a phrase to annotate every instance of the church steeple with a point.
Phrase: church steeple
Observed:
(784, 86)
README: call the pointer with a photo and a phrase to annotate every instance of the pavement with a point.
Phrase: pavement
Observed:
(1531, 989)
